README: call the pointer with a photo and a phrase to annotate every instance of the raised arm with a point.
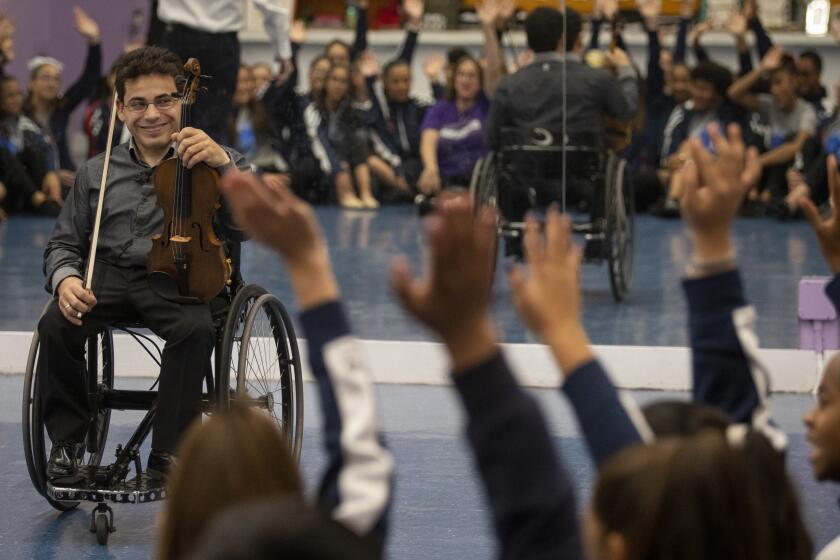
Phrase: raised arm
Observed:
(277, 23)
(357, 483)
(699, 50)
(726, 369)
(737, 26)
(360, 43)
(827, 230)
(740, 91)
(621, 94)
(531, 495)
(686, 15)
(489, 12)
(414, 21)
(85, 85)
(548, 300)
(763, 43)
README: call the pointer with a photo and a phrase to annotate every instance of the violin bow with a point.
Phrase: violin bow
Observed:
(100, 202)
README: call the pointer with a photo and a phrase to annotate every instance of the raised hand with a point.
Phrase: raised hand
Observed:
(433, 66)
(750, 9)
(773, 58)
(714, 188)
(369, 64)
(414, 11)
(547, 297)
(297, 33)
(687, 9)
(827, 229)
(617, 57)
(609, 8)
(453, 296)
(649, 10)
(506, 10)
(270, 213)
(488, 11)
(736, 24)
(86, 26)
(700, 29)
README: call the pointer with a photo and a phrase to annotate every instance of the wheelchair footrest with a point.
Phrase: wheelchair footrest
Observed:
(138, 490)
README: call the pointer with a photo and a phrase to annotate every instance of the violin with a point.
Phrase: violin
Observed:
(187, 262)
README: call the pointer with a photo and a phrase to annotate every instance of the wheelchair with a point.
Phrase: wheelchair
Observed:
(530, 171)
(256, 360)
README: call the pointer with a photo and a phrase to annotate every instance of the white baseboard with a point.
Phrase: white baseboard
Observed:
(664, 368)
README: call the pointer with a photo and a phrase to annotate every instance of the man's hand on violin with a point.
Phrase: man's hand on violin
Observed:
(195, 146)
(74, 300)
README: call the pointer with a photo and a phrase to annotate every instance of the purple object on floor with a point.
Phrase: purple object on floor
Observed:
(817, 317)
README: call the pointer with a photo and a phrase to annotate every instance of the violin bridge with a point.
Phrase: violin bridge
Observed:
(180, 239)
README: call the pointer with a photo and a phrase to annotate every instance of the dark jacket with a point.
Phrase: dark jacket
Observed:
(533, 97)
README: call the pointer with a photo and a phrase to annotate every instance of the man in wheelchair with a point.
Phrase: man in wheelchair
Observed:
(529, 107)
(149, 105)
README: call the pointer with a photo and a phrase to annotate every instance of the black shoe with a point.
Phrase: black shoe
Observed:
(425, 204)
(64, 460)
(159, 465)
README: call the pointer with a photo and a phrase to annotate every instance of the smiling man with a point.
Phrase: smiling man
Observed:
(149, 104)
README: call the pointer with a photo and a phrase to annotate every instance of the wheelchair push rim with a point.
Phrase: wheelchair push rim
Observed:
(261, 362)
(619, 229)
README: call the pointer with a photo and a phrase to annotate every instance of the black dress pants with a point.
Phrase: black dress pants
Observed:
(123, 294)
(218, 54)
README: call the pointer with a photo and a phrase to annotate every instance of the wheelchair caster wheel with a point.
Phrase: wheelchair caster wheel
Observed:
(102, 523)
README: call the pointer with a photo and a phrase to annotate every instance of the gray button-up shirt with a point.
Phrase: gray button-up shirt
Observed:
(130, 216)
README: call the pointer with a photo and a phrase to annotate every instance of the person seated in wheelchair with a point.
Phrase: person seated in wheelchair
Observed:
(529, 106)
(149, 105)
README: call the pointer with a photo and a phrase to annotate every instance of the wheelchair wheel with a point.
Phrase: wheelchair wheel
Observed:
(619, 228)
(484, 190)
(261, 361)
(100, 363)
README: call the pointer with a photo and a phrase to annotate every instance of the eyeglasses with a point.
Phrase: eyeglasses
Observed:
(163, 102)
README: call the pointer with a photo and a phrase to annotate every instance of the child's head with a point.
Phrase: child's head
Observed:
(396, 80)
(691, 498)
(338, 52)
(709, 82)
(783, 84)
(823, 423)
(679, 82)
(318, 69)
(232, 458)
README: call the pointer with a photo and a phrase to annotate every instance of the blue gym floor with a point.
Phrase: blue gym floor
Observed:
(439, 511)
(774, 256)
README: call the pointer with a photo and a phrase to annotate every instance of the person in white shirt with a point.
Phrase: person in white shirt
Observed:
(207, 30)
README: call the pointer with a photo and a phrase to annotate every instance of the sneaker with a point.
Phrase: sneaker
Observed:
(64, 460)
(425, 204)
(159, 465)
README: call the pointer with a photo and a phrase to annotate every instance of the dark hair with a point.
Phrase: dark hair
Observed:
(269, 529)
(234, 457)
(345, 106)
(341, 43)
(689, 498)
(544, 29)
(717, 75)
(574, 25)
(146, 61)
(260, 122)
(789, 539)
(814, 57)
(391, 64)
(455, 54)
(787, 64)
(450, 86)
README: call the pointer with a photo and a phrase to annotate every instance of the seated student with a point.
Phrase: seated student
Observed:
(34, 185)
(49, 108)
(145, 81)
(809, 67)
(396, 115)
(789, 122)
(434, 66)
(339, 141)
(452, 132)
(530, 493)
(708, 104)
